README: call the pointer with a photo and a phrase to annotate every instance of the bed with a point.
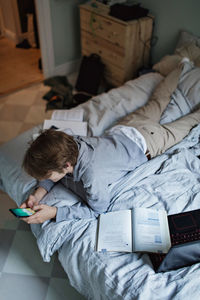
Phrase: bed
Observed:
(170, 181)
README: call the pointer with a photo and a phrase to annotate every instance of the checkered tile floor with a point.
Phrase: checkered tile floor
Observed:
(23, 274)
(22, 110)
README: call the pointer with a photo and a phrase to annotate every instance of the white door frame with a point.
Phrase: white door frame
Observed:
(43, 13)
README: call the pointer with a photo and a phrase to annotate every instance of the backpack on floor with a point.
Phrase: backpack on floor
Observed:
(90, 74)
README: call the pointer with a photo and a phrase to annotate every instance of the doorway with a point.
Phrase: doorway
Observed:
(20, 56)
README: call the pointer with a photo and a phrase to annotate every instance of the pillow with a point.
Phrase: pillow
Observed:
(186, 38)
(186, 97)
(14, 180)
(170, 62)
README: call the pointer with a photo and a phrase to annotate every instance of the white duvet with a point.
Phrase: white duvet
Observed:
(170, 181)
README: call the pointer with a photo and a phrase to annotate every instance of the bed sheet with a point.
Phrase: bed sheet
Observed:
(171, 182)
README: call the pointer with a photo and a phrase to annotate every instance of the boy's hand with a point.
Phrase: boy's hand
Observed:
(30, 202)
(33, 200)
(43, 213)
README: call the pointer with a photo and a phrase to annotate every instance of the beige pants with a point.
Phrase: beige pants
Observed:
(146, 119)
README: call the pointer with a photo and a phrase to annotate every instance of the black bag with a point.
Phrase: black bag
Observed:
(128, 12)
(90, 74)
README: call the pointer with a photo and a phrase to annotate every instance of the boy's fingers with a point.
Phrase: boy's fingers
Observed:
(28, 220)
(30, 204)
(25, 220)
(38, 207)
(23, 205)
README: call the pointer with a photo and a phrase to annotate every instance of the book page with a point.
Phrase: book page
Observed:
(68, 115)
(115, 233)
(70, 127)
(150, 230)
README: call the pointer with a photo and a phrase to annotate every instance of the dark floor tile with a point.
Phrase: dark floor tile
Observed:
(58, 270)
(23, 226)
(6, 239)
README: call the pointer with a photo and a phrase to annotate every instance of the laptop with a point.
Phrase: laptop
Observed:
(185, 239)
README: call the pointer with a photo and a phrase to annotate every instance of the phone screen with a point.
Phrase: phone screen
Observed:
(22, 212)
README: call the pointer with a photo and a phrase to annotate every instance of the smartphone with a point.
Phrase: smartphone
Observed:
(22, 212)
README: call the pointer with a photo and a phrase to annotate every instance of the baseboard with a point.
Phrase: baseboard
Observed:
(67, 68)
(14, 37)
(11, 35)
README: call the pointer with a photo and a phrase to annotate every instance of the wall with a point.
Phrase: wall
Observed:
(65, 30)
(170, 17)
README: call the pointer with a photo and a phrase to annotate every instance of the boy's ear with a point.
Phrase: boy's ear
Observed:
(68, 164)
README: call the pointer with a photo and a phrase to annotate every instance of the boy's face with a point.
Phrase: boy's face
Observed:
(56, 176)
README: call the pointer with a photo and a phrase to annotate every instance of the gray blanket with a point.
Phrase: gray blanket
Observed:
(171, 182)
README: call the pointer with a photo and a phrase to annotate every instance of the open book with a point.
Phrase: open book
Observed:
(68, 115)
(70, 121)
(134, 230)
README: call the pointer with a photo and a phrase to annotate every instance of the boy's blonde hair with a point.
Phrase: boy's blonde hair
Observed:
(50, 152)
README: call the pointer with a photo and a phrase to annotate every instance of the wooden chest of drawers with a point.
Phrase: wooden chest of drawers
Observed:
(123, 46)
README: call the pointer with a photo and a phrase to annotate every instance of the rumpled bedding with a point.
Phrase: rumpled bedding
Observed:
(171, 182)
(186, 97)
(102, 111)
